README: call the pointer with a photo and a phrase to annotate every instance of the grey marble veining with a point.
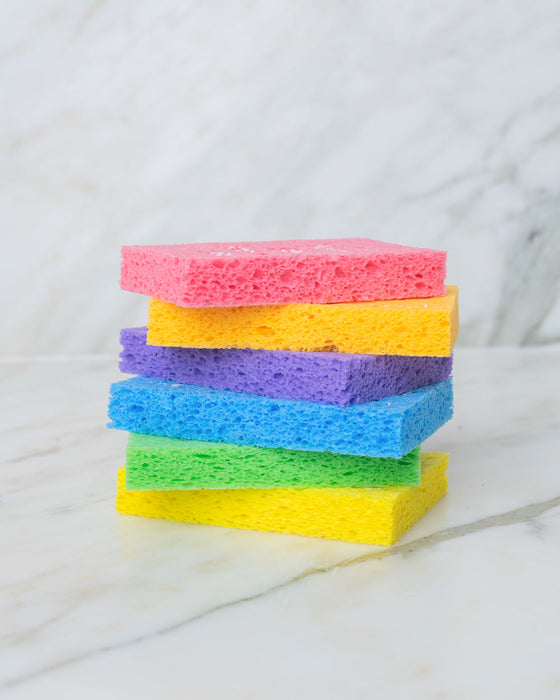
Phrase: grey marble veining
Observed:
(95, 604)
(531, 286)
(431, 124)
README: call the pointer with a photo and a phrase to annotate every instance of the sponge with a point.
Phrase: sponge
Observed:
(421, 327)
(167, 463)
(325, 377)
(282, 272)
(373, 516)
(387, 428)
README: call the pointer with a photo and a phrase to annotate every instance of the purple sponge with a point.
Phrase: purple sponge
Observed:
(322, 377)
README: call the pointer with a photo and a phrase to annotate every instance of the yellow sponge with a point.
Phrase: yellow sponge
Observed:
(399, 327)
(374, 516)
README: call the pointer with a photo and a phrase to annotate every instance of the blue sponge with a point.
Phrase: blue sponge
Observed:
(391, 427)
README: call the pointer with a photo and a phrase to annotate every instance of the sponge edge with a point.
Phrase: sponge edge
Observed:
(282, 272)
(324, 377)
(391, 427)
(372, 516)
(417, 327)
(168, 463)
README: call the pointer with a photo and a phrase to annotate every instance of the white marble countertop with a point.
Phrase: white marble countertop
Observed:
(97, 605)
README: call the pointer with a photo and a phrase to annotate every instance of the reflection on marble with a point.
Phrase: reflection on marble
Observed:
(431, 124)
(100, 605)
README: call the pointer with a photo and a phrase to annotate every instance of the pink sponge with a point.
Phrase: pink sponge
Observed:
(282, 272)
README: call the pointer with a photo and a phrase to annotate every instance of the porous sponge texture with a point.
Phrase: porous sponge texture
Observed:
(282, 272)
(167, 463)
(373, 516)
(325, 377)
(419, 327)
(391, 427)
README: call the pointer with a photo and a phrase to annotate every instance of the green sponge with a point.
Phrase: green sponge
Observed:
(161, 463)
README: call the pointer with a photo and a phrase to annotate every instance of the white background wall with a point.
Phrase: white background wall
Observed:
(430, 123)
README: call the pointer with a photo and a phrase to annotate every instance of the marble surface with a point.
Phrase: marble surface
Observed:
(429, 123)
(100, 605)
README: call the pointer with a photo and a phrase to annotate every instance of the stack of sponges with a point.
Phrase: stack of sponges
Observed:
(286, 386)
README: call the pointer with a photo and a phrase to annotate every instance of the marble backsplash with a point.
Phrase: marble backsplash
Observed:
(434, 124)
